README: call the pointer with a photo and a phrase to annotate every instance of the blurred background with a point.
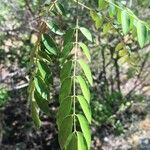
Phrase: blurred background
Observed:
(120, 96)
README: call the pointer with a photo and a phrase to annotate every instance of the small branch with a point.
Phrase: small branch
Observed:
(28, 6)
(18, 87)
(88, 8)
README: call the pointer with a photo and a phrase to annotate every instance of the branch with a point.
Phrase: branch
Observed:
(28, 6)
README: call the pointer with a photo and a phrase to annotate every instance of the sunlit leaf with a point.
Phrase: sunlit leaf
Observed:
(99, 22)
(112, 8)
(54, 28)
(119, 16)
(123, 60)
(42, 103)
(141, 33)
(85, 50)
(85, 129)
(97, 18)
(41, 87)
(49, 44)
(119, 46)
(107, 27)
(102, 4)
(86, 70)
(85, 107)
(123, 52)
(60, 8)
(81, 142)
(125, 21)
(84, 88)
(86, 33)
(44, 69)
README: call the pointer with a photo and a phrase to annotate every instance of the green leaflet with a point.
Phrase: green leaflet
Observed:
(86, 70)
(60, 8)
(134, 32)
(123, 59)
(45, 73)
(112, 9)
(67, 49)
(133, 18)
(99, 22)
(48, 80)
(131, 22)
(119, 16)
(65, 130)
(123, 52)
(33, 105)
(107, 27)
(85, 107)
(41, 88)
(44, 69)
(68, 36)
(119, 46)
(141, 33)
(54, 28)
(93, 14)
(148, 36)
(66, 70)
(85, 50)
(81, 142)
(125, 21)
(97, 17)
(44, 56)
(64, 110)
(42, 103)
(76, 141)
(85, 129)
(71, 143)
(65, 89)
(35, 114)
(84, 88)
(86, 33)
(49, 44)
(102, 4)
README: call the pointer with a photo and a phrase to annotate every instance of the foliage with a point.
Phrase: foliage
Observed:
(3, 96)
(75, 74)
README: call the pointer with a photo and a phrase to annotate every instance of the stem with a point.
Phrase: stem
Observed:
(75, 65)
(81, 4)
(53, 5)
